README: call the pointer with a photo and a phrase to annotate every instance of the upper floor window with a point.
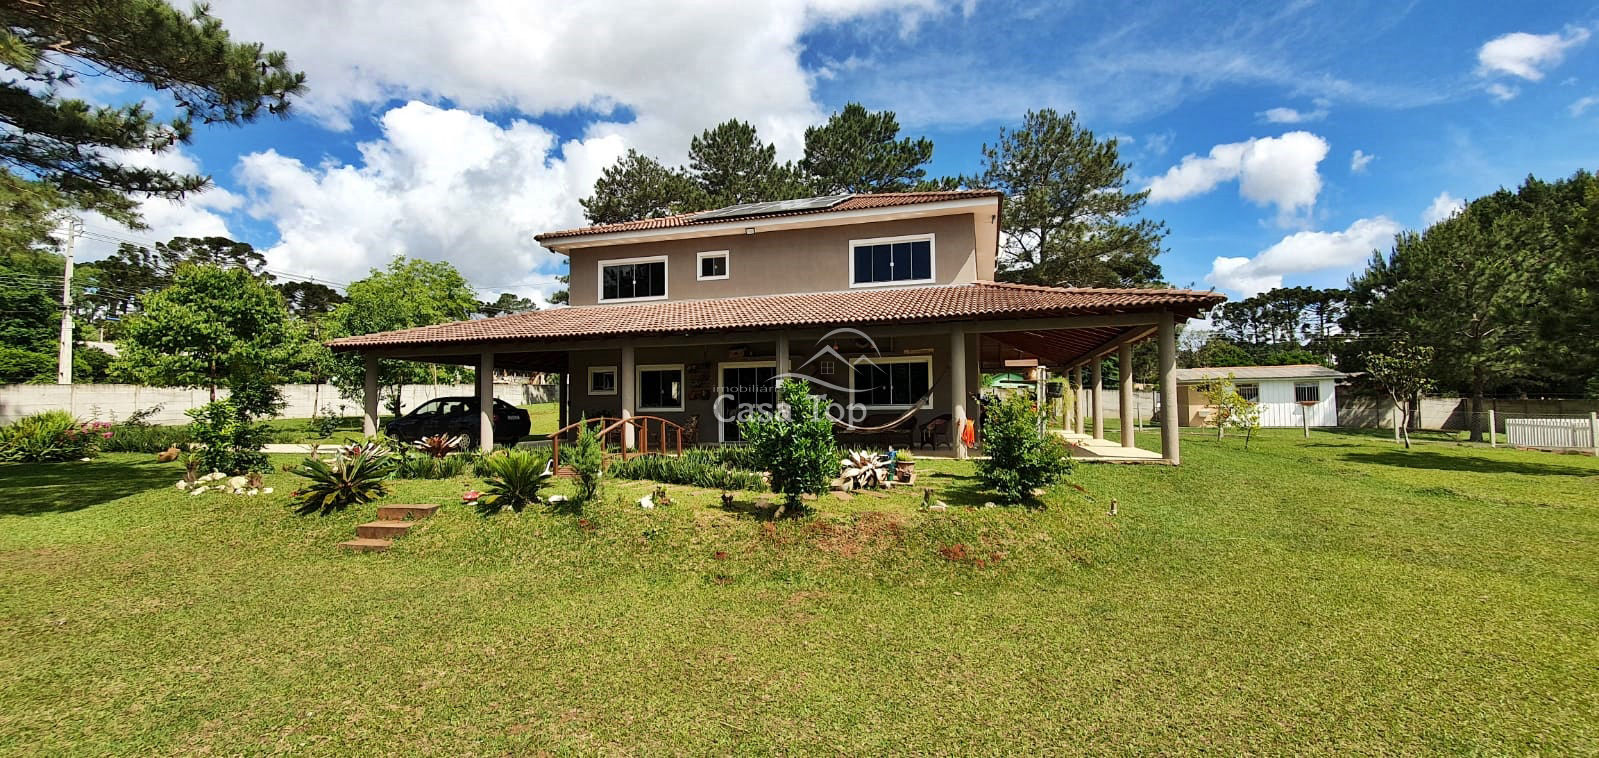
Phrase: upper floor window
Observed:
(891, 260)
(633, 279)
(713, 265)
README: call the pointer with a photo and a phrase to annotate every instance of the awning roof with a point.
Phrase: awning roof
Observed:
(857, 308)
(1256, 373)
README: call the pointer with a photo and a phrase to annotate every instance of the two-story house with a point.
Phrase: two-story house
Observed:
(886, 303)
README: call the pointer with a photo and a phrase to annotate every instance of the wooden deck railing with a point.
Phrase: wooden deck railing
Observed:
(611, 425)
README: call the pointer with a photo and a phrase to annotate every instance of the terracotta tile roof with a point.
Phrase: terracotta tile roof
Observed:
(853, 203)
(860, 307)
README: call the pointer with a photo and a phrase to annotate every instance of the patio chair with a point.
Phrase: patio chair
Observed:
(936, 427)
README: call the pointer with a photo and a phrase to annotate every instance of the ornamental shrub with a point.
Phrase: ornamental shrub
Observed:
(698, 468)
(229, 441)
(50, 437)
(587, 458)
(795, 444)
(1020, 458)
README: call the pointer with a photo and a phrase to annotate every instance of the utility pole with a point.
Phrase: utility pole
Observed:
(64, 357)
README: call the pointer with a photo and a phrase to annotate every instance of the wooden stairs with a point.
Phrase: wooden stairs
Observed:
(393, 521)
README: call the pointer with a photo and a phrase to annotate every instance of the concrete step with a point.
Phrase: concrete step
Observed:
(404, 512)
(366, 545)
(383, 529)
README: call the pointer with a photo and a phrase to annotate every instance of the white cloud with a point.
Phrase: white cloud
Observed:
(1291, 115)
(1503, 92)
(1582, 105)
(1525, 55)
(198, 215)
(1278, 171)
(439, 184)
(656, 74)
(1303, 252)
(1443, 206)
(1359, 160)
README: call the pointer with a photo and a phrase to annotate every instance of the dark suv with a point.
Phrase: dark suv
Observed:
(458, 415)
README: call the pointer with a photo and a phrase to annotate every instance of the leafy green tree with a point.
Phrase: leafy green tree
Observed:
(857, 151)
(1068, 215)
(507, 303)
(114, 285)
(1219, 351)
(70, 144)
(1402, 372)
(732, 165)
(1021, 458)
(637, 187)
(309, 299)
(1467, 287)
(30, 212)
(213, 327)
(410, 292)
(795, 444)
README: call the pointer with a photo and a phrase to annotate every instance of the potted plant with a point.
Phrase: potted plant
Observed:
(905, 466)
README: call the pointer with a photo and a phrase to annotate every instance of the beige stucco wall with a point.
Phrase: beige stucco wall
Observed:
(702, 374)
(798, 260)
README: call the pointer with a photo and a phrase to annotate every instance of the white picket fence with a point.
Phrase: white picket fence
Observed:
(1550, 432)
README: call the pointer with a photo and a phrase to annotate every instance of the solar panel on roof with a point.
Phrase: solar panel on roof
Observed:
(774, 206)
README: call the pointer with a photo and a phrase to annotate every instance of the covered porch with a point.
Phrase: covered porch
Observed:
(900, 368)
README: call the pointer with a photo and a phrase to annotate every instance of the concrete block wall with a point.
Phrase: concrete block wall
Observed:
(112, 402)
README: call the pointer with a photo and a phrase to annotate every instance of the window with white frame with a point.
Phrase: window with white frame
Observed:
(602, 380)
(891, 382)
(891, 260)
(633, 279)
(1307, 392)
(713, 265)
(660, 388)
(1250, 392)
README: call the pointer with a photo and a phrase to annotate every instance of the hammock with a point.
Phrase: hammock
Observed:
(916, 406)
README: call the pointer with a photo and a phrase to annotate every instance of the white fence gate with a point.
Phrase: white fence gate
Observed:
(1549, 432)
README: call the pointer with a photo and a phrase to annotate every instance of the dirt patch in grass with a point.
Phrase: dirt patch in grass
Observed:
(867, 534)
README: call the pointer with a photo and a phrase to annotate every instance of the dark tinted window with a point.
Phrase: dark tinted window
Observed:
(891, 383)
(713, 266)
(660, 388)
(894, 262)
(622, 281)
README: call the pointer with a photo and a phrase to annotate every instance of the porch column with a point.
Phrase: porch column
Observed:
(560, 398)
(1099, 399)
(782, 353)
(957, 391)
(1082, 399)
(369, 397)
(1124, 369)
(485, 402)
(1168, 389)
(627, 392)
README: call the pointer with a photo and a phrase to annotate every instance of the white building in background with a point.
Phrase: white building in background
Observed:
(1286, 394)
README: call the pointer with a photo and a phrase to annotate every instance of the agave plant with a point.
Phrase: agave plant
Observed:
(513, 480)
(440, 445)
(348, 480)
(864, 470)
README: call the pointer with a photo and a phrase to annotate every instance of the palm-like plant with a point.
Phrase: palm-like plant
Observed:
(514, 480)
(348, 480)
(864, 470)
(440, 445)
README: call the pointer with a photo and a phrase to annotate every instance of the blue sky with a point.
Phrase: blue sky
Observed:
(456, 131)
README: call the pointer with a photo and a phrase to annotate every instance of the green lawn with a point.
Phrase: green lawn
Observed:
(1331, 595)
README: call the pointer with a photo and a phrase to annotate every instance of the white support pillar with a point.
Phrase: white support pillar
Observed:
(1082, 400)
(369, 397)
(485, 402)
(1099, 399)
(627, 392)
(1169, 447)
(957, 391)
(1492, 440)
(1593, 431)
(1124, 370)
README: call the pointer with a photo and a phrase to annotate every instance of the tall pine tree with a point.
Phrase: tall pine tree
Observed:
(856, 151)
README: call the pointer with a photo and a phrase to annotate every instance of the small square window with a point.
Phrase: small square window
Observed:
(1307, 393)
(1250, 392)
(713, 265)
(824, 368)
(602, 380)
(660, 388)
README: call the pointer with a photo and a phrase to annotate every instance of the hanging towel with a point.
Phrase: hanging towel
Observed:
(969, 433)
